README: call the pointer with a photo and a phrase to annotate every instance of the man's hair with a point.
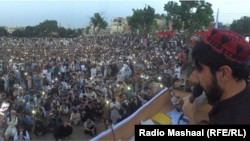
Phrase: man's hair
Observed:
(121, 111)
(124, 105)
(109, 120)
(203, 54)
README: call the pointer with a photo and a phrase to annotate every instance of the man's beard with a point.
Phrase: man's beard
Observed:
(13, 118)
(213, 92)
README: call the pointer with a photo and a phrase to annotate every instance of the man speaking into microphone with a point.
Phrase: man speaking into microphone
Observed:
(220, 65)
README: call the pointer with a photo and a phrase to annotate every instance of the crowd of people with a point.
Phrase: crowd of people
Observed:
(91, 80)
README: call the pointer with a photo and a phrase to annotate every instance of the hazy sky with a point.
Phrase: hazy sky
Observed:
(76, 13)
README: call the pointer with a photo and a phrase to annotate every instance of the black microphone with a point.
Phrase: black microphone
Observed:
(196, 92)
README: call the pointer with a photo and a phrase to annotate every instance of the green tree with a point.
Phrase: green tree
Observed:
(29, 31)
(241, 26)
(71, 33)
(18, 33)
(36, 31)
(87, 29)
(47, 27)
(98, 22)
(61, 32)
(79, 31)
(3, 32)
(154, 27)
(184, 17)
(142, 19)
(158, 16)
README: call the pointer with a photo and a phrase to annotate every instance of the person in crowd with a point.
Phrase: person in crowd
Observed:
(2, 137)
(57, 114)
(27, 121)
(177, 84)
(114, 106)
(80, 107)
(121, 117)
(89, 127)
(2, 82)
(21, 134)
(189, 60)
(134, 105)
(76, 101)
(142, 98)
(39, 129)
(30, 104)
(121, 98)
(52, 123)
(64, 110)
(63, 131)
(55, 103)
(109, 123)
(12, 123)
(98, 113)
(44, 111)
(39, 116)
(75, 117)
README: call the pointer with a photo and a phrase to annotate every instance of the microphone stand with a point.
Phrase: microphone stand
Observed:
(113, 132)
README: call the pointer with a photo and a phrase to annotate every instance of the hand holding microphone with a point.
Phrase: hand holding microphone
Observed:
(190, 105)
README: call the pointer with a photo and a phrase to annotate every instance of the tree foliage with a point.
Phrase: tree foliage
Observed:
(71, 33)
(154, 27)
(241, 26)
(29, 31)
(3, 32)
(183, 15)
(18, 33)
(158, 16)
(61, 32)
(142, 18)
(87, 29)
(47, 27)
(79, 31)
(98, 22)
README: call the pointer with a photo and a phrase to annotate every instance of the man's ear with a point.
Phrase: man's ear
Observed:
(225, 73)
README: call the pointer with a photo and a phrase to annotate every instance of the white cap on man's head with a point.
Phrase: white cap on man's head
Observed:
(195, 38)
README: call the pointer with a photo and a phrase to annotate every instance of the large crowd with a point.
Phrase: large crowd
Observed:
(91, 80)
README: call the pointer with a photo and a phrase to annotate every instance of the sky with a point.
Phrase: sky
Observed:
(76, 14)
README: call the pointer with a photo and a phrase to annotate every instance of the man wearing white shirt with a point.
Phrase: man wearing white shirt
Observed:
(83, 68)
(82, 94)
(16, 85)
(93, 72)
(38, 100)
(64, 83)
(45, 71)
(119, 77)
(103, 90)
(68, 86)
(50, 87)
(92, 93)
(63, 70)
(178, 71)
(30, 104)
(21, 134)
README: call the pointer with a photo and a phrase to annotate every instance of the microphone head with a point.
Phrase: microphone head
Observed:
(197, 90)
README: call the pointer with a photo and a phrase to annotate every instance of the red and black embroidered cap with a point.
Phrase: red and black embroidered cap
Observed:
(232, 45)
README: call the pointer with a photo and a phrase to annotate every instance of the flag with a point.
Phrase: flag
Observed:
(216, 23)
